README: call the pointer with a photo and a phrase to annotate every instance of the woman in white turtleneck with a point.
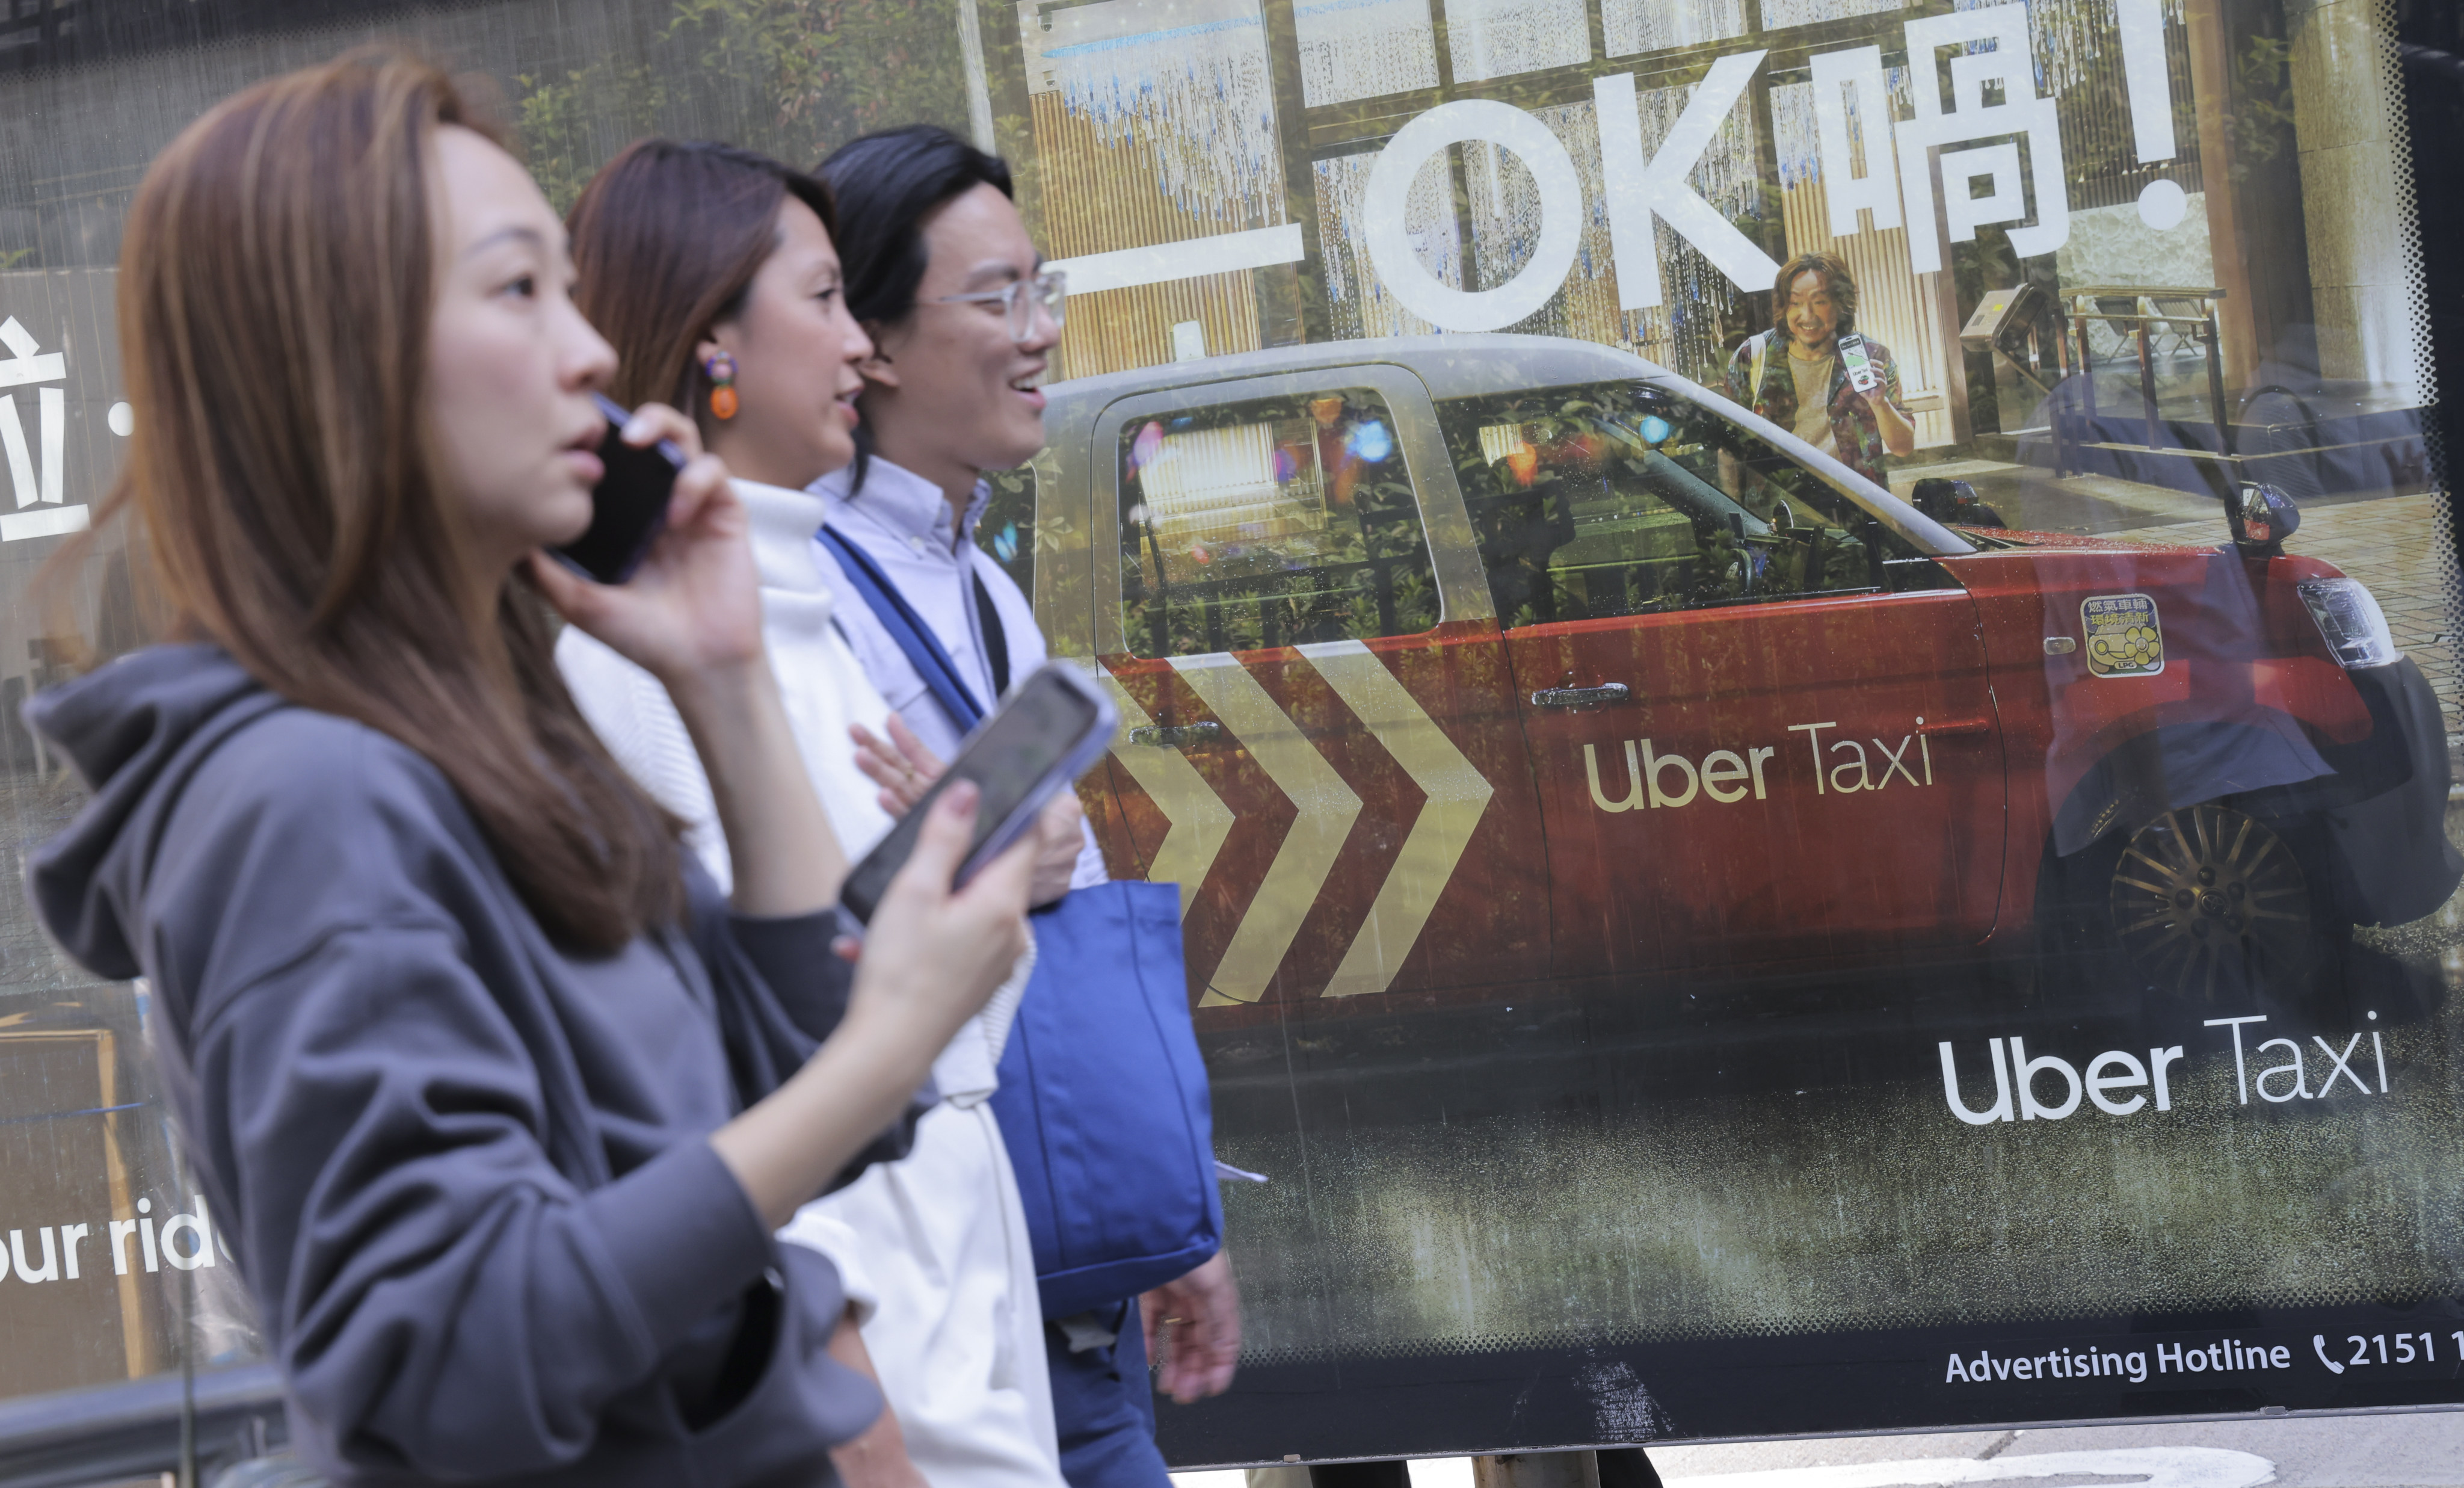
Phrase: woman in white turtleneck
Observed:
(713, 271)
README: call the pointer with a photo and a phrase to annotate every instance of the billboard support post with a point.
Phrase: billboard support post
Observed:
(1537, 1470)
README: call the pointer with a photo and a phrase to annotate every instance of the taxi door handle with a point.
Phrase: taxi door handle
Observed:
(1176, 736)
(1580, 696)
(1978, 725)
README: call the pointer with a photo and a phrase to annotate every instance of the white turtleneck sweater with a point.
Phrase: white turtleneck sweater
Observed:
(934, 1249)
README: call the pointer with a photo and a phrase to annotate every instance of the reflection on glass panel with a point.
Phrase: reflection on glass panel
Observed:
(1153, 125)
(1185, 85)
(1505, 223)
(110, 1259)
(1619, 499)
(1356, 294)
(1008, 528)
(1364, 49)
(1497, 38)
(1700, 307)
(1270, 525)
(109, 1263)
(1630, 26)
(1777, 14)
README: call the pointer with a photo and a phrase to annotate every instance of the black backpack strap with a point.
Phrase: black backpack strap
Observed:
(996, 640)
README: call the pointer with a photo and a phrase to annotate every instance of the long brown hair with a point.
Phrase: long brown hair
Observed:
(667, 239)
(276, 284)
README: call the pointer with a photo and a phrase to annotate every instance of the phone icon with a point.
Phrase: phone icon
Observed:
(2319, 1344)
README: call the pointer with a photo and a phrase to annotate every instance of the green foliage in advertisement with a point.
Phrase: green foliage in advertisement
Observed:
(793, 78)
(556, 115)
(2262, 115)
(824, 71)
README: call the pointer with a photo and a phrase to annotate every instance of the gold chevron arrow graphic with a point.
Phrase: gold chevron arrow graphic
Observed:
(1457, 795)
(1323, 809)
(1198, 821)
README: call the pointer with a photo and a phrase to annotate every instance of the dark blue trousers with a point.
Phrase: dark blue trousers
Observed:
(1104, 1405)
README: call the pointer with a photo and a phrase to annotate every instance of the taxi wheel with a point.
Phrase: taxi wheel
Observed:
(2211, 904)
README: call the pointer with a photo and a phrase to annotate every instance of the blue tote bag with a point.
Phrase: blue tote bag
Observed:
(1103, 1100)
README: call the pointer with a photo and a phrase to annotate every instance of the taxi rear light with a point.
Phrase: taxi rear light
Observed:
(2351, 621)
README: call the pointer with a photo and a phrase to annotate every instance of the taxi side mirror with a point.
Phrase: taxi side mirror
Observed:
(1953, 503)
(2262, 517)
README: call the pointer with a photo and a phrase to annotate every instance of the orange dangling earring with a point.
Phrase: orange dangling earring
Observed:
(720, 369)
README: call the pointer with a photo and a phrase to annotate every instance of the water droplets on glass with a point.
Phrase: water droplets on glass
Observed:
(1497, 38)
(1364, 49)
(1360, 302)
(2066, 36)
(1632, 26)
(1505, 215)
(1683, 331)
(1194, 90)
(1798, 145)
(1777, 14)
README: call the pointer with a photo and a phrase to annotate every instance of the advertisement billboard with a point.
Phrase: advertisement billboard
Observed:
(1705, 938)
(1796, 658)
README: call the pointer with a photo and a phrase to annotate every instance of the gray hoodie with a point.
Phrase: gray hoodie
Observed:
(463, 1170)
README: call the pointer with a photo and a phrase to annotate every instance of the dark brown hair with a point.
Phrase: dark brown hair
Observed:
(277, 283)
(667, 239)
(1835, 279)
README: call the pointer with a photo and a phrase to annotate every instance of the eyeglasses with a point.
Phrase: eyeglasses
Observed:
(1020, 299)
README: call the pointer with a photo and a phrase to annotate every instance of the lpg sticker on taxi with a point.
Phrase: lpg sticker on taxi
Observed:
(2125, 638)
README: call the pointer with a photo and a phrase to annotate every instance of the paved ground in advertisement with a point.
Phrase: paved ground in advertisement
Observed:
(2399, 546)
(2411, 1450)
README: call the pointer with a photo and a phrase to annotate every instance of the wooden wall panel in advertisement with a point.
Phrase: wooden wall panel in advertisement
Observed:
(73, 1316)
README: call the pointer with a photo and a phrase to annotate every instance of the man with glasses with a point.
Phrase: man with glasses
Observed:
(1022, 302)
(964, 316)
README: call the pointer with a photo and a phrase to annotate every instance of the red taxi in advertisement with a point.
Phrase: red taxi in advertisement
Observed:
(1462, 664)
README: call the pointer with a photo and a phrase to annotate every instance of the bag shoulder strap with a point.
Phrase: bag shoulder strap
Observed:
(906, 629)
(995, 639)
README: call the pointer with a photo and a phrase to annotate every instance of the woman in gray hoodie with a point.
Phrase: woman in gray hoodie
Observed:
(495, 1099)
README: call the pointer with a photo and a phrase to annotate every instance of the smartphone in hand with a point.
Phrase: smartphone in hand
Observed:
(1860, 367)
(1055, 725)
(629, 506)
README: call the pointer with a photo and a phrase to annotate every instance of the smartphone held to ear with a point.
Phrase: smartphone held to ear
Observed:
(1055, 725)
(629, 506)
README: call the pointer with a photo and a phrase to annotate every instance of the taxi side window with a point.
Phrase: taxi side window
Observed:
(1624, 499)
(1272, 523)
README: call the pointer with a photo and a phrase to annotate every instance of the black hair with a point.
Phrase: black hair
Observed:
(886, 184)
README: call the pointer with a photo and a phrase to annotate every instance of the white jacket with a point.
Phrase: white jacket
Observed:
(933, 1249)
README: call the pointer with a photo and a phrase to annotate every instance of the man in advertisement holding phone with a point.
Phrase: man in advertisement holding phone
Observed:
(1836, 391)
